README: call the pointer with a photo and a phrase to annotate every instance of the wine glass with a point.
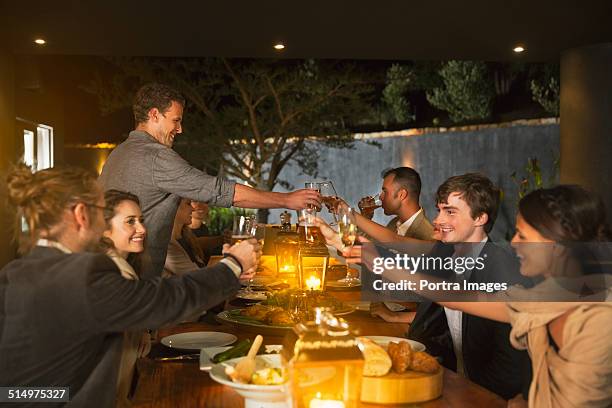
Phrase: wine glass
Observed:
(368, 204)
(244, 228)
(347, 231)
(329, 197)
(258, 231)
(310, 185)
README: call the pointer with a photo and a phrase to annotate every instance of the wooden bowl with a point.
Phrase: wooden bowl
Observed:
(407, 388)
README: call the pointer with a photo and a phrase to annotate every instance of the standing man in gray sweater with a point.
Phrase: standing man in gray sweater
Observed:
(145, 165)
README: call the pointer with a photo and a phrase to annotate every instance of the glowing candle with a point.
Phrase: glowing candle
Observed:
(313, 283)
(319, 403)
(287, 269)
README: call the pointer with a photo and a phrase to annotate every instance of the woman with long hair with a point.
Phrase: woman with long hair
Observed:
(124, 239)
(184, 253)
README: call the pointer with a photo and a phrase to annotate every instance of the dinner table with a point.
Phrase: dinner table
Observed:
(180, 383)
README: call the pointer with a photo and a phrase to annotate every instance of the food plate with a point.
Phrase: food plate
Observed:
(342, 283)
(364, 306)
(261, 281)
(252, 295)
(198, 340)
(269, 396)
(234, 318)
(384, 341)
(207, 353)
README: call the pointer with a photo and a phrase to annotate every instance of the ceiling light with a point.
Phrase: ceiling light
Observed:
(40, 41)
(518, 49)
(279, 46)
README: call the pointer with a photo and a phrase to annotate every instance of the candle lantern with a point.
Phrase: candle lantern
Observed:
(313, 267)
(324, 364)
(286, 246)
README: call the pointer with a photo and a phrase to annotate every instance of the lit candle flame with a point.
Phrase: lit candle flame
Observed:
(313, 283)
(287, 268)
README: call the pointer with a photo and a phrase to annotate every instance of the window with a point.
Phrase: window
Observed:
(28, 147)
(44, 147)
(37, 144)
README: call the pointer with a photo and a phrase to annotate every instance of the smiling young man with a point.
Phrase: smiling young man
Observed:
(146, 165)
(477, 348)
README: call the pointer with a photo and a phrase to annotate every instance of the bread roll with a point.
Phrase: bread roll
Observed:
(377, 361)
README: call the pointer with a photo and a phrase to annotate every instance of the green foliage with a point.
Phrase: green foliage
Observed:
(467, 90)
(221, 219)
(397, 107)
(545, 88)
(533, 178)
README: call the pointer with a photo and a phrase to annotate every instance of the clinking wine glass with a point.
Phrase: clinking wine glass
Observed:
(313, 186)
(244, 228)
(347, 231)
(329, 197)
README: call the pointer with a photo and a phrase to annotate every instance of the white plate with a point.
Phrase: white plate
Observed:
(253, 295)
(384, 341)
(312, 376)
(343, 284)
(255, 395)
(207, 353)
(360, 305)
(262, 281)
(198, 340)
(394, 307)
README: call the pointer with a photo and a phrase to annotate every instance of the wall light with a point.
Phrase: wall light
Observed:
(40, 41)
(279, 46)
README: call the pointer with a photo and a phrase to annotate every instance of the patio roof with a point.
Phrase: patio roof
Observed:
(435, 30)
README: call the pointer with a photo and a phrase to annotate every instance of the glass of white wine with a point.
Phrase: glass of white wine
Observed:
(347, 231)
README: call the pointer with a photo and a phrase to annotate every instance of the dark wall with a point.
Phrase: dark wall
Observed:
(496, 152)
(7, 149)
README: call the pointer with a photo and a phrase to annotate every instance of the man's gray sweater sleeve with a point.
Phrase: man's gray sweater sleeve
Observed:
(173, 174)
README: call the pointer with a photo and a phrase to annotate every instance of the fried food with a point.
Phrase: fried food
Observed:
(401, 355)
(377, 361)
(257, 312)
(279, 317)
(424, 363)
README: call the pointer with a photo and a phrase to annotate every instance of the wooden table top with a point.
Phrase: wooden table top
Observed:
(182, 384)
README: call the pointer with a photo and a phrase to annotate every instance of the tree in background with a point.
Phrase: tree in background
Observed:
(545, 87)
(249, 118)
(467, 91)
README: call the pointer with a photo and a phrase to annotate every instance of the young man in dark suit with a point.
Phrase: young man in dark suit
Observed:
(475, 347)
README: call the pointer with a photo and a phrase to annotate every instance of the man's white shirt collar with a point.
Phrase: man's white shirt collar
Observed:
(403, 227)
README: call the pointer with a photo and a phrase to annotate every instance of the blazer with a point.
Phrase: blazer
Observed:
(489, 358)
(420, 228)
(62, 318)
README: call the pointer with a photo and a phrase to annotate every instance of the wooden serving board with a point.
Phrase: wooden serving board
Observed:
(409, 387)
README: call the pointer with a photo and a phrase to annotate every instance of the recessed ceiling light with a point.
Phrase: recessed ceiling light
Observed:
(518, 49)
(279, 46)
(40, 41)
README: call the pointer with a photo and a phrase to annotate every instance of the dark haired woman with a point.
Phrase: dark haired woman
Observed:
(123, 238)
